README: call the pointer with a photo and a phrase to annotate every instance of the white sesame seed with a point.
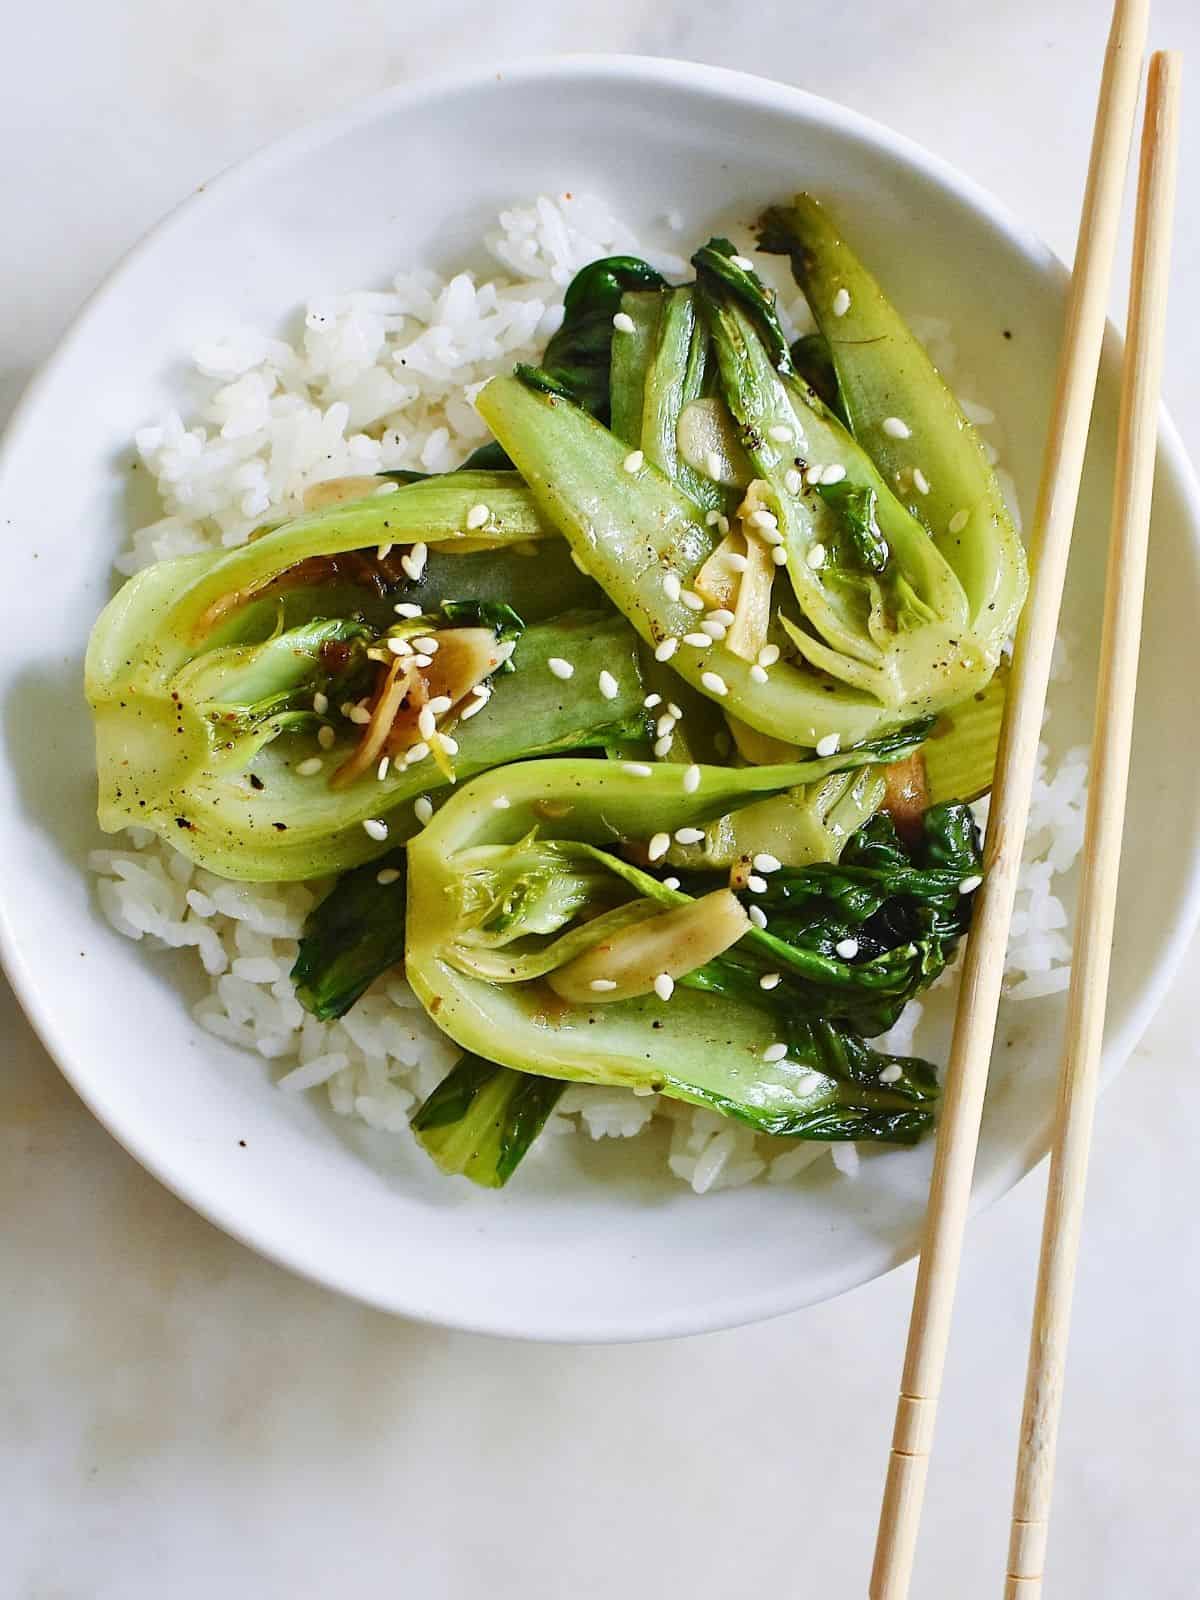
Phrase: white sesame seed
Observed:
(847, 949)
(895, 428)
(665, 650)
(662, 746)
(416, 753)
(387, 875)
(814, 474)
(779, 434)
(722, 524)
(381, 771)
(770, 980)
(691, 600)
(325, 737)
(722, 615)
(664, 986)
(713, 465)
(793, 481)
(665, 724)
(609, 687)
(670, 883)
(360, 716)
(816, 556)
(634, 461)
(426, 722)
(320, 703)
(475, 707)
(714, 629)
(768, 655)
(770, 535)
(691, 779)
(658, 846)
(501, 803)
(449, 745)
(375, 828)
(407, 609)
(779, 556)
(757, 916)
(959, 521)
(672, 587)
(602, 985)
(755, 884)
(744, 262)
(440, 703)
(623, 322)
(559, 667)
(841, 302)
(829, 745)
(414, 562)
(920, 481)
(651, 701)
(688, 835)
(383, 551)
(478, 515)
(764, 861)
(714, 683)
(675, 711)
(891, 1073)
(762, 518)
(969, 885)
(426, 643)
(422, 661)
(637, 769)
(310, 767)
(386, 488)
(698, 641)
(833, 473)
(400, 647)
(423, 809)
(758, 674)
(775, 1052)
(711, 518)
(482, 691)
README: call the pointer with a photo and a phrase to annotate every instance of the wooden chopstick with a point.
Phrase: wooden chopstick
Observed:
(1111, 740)
(983, 966)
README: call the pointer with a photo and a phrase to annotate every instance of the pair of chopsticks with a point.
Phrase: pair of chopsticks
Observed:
(983, 967)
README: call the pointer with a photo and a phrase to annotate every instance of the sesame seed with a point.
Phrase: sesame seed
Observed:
(920, 481)
(969, 885)
(714, 683)
(310, 767)
(399, 647)
(891, 1073)
(713, 465)
(711, 518)
(764, 861)
(662, 746)
(959, 521)
(634, 461)
(833, 473)
(722, 524)
(691, 779)
(713, 628)
(609, 686)
(770, 534)
(381, 771)
(320, 703)
(386, 488)
(426, 722)
(478, 515)
(770, 980)
(664, 724)
(722, 615)
(665, 650)
(383, 551)
(780, 434)
(449, 745)
(623, 322)
(651, 701)
(664, 986)
(416, 753)
(775, 1052)
(758, 674)
(360, 716)
(847, 949)
(779, 556)
(559, 667)
(440, 703)
(814, 474)
(816, 556)
(476, 705)
(829, 745)
(325, 737)
(688, 835)
(744, 262)
(670, 883)
(637, 769)
(793, 481)
(755, 884)
(414, 562)
(423, 809)
(672, 587)
(501, 803)
(736, 563)
(422, 661)
(407, 609)
(676, 711)
(757, 916)
(768, 655)
(658, 846)
(762, 518)
(841, 302)
(426, 643)
(698, 641)
(603, 985)
(691, 600)
(387, 875)
(375, 828)
(896, 429)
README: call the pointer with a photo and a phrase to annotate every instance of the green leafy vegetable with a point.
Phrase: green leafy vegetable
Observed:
(481, 1119)
(353, 935)
(577, 358)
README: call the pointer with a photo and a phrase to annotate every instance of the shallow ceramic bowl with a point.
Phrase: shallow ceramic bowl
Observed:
(592, 1241)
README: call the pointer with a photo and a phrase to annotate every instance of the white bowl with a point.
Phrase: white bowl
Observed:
(593, 1242)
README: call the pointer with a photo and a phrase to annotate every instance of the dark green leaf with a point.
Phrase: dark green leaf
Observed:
(354, 934)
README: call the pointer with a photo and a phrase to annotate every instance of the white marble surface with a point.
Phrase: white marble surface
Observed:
(177, 1417)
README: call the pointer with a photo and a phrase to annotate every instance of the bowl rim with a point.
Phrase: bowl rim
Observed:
(763, 93)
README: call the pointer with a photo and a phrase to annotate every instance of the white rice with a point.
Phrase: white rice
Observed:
(379, 380)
